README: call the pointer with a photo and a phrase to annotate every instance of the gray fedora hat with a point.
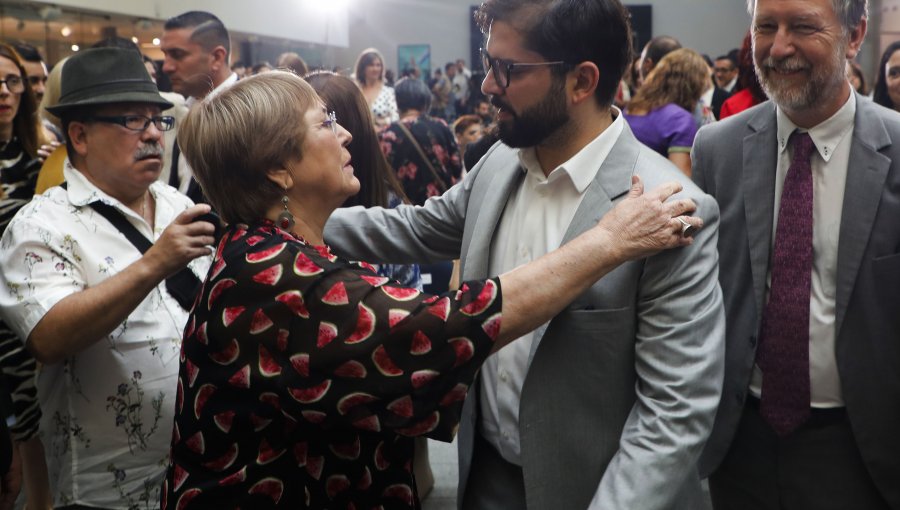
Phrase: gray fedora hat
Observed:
(103, 76)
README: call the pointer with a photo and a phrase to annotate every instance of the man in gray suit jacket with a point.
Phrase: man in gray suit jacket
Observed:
(810, 411)
(609, 404)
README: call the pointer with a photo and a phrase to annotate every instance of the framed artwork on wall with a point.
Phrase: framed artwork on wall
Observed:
(414, 60)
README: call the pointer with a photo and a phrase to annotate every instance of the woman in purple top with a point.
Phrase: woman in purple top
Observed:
(660, 113)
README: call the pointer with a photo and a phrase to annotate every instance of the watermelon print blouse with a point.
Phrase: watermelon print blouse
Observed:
(304, 378)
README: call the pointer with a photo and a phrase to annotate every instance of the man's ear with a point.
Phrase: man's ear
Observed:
(219, 57)
(78, 137)
(645, 67)
(583, 81)
(856, 38)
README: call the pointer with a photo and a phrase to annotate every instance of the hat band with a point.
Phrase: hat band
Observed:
(99, 89)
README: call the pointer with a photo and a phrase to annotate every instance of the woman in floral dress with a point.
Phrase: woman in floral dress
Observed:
(304, 376)
(421, 149)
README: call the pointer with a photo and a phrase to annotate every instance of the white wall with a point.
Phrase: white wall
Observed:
(317, 21)
(444, 24)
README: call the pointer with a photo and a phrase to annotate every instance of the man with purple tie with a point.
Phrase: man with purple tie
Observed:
(810, 267)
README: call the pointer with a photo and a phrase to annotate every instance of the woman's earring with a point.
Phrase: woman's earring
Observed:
(285, 219)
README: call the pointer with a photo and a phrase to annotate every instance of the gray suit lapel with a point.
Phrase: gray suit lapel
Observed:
(866, 175)
(612, 181)
(760, 162)
(502, 182)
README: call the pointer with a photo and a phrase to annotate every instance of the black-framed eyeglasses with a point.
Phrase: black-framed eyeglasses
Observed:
(503, 69)
(137, 123)
(14, 84)
(331, 121)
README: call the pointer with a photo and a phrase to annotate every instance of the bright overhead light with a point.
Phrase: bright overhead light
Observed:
(135, 40)
(75, 47)
(156, 41)
(332, 6)
(66, 31)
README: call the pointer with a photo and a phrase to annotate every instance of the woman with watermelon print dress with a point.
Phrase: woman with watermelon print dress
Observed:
(304, 377)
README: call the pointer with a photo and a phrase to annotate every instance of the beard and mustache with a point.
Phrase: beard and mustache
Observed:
(820, 83)
(536, 124)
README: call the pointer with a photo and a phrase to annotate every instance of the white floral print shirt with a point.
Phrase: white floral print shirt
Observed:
(107, 411)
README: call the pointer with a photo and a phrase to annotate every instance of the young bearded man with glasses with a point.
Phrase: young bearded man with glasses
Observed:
(608, 405)
(100, 313)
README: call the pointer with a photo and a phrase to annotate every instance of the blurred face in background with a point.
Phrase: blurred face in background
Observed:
(374, 71)
(471, 134)
(484, 109)
(892, 79)
(151, 70)
(724, 70)
(9, 100)
(37, 78)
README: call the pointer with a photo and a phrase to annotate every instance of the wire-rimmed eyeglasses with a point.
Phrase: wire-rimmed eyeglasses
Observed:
(331, 121)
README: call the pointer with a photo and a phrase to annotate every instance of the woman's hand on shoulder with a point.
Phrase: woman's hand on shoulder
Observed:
(646, 223)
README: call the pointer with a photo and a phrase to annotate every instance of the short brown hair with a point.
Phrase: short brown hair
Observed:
(233, 139)
(464, 122)
(293, 62)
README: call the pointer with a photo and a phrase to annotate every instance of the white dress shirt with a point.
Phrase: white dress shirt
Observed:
(729, 87)
(832, 139)
(533, 223)
(107, 410)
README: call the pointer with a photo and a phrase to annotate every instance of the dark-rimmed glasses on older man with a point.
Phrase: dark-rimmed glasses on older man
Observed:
(137, 123)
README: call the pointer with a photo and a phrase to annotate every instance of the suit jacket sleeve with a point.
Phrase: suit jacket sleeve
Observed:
(679, 361)
(406, 234)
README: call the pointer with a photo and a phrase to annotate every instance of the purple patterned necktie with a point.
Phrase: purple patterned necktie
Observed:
(783, 354)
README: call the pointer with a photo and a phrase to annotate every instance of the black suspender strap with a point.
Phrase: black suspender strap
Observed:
(183, 285)
(174, 180)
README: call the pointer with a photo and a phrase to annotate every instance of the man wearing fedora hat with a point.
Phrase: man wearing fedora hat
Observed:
(101, 308)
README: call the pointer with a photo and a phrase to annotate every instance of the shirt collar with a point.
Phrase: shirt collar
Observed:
(231, 80)
(82, 192)
(730, 85)
(581, 168)
(826, 135)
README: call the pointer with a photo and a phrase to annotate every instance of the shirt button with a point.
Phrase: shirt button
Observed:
(503, 375)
